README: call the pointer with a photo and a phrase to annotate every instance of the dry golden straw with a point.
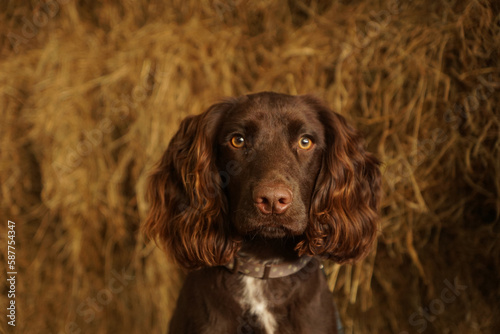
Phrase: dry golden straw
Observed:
(90, 95)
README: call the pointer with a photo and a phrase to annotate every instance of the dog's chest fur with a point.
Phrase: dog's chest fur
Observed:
(214, 300)
(256, 300)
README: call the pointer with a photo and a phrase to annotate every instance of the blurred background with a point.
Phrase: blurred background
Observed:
(92, 91)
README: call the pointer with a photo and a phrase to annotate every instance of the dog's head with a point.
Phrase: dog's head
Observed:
(268, 165)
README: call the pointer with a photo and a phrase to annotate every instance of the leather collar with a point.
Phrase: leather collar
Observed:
(251, 268)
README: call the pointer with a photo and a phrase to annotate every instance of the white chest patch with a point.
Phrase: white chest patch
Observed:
(253, 298)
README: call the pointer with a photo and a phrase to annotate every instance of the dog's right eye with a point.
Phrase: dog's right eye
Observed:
(238, 141)
(305, 143)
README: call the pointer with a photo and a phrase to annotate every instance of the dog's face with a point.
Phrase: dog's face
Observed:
(269, 151)
(267, 165)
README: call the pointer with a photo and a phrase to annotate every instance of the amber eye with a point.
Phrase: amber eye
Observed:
(305, 143)
(238, 141)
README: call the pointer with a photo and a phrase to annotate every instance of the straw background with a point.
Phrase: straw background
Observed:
(91, 93)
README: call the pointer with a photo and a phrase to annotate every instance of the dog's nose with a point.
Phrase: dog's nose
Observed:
(272, 199)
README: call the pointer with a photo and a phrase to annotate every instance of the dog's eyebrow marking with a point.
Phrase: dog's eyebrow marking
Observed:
(245, 127)
(254, 300)
(295, 126)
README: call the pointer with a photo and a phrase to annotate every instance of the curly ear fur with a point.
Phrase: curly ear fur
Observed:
(344, 207)
(188, 208)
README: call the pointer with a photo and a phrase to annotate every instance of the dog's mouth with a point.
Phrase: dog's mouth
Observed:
(251, 223)
(274, 229)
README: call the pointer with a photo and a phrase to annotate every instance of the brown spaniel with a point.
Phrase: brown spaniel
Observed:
(249, 196)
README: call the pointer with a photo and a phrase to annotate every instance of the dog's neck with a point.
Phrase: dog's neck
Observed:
(268, 258)
(266, 250)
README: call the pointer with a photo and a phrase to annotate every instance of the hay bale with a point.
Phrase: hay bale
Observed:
(91, 95)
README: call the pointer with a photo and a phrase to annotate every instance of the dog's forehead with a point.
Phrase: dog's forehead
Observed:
(274, 110)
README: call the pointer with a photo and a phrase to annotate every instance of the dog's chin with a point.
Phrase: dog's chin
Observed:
(272, 229)
(273, 232)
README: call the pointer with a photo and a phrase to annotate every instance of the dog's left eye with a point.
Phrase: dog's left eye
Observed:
(305, 143)
(238, 141)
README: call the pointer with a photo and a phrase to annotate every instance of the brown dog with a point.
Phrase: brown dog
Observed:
(250, 195)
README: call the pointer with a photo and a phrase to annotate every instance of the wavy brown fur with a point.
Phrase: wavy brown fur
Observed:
(196, 234)
(344, 209)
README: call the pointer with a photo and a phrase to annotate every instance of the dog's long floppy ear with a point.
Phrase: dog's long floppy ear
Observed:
(344, 207)
(188, 214)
